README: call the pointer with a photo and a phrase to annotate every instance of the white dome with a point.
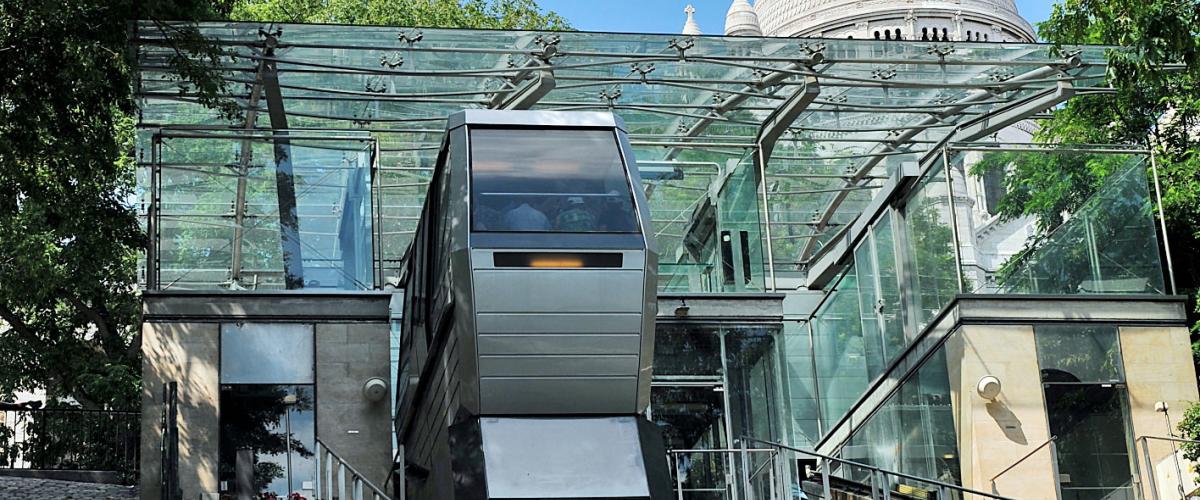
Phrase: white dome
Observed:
(950, 20)
(741, 20)
(690, 27)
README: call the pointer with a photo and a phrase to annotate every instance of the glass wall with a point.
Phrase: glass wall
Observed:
(1087, 407)
(913, 432)
(933, 279)
(800, 405)
(713, 384)
(248, 213)
(840, 351)
(707, 222)
(1106, 243)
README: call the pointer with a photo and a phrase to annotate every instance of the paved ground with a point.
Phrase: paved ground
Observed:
(19, 488)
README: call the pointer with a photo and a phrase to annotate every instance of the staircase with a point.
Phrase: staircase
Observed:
(793, 473)
(337, 480)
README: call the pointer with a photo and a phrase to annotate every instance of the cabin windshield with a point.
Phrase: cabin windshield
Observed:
(549, 180)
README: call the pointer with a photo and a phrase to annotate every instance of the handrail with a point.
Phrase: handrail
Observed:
(879, 470)
(1022, 459)
(357, 479)
(1167, 438)
(1149, 465)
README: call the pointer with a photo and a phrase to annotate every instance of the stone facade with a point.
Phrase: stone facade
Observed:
(182, 343)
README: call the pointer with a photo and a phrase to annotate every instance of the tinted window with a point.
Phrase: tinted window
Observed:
(537, 180)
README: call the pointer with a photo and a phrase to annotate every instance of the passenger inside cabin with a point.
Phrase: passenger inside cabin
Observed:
(524, 217)
(576, 217)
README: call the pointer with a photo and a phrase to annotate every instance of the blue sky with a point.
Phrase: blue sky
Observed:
(666, 16)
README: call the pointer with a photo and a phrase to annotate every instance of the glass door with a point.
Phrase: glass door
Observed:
(694, 423)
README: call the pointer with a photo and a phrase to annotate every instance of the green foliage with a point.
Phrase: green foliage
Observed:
(1156, 104)
(69, 237)
(69, 234)
(493, 14)
(1189, 428)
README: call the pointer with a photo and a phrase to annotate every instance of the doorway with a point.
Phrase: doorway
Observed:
(713, 384)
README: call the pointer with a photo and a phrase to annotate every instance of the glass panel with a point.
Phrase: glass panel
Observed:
(750, 380)
(800, 385)
(207, 239)
(913, 432)
(567, 181)
(889, 287)
(1079, 353)
(739, 216)
(267, 441)
(1106, 243)
(933, 277)
(1093, 441)
(686, 350)
(693, 108)
(842, 374)
(1082, 372)
(258, 353)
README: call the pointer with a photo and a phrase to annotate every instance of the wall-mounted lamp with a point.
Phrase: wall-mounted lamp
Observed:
(374, 390)
(683, 308)
(988, 387)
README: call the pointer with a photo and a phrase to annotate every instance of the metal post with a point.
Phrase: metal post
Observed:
(1150, 469)
(771, 476)
(825, 493)
(745, 472)
(958, 261)
(317, 479)
(1054, 468)
(1162, 221)
(287, 417)
(678, 476)
(762, 182)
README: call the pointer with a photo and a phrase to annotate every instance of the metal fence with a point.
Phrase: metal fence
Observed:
(70, 439)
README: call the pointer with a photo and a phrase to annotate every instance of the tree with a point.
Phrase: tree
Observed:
(1156, 78)
(69, 232)
(489, 14)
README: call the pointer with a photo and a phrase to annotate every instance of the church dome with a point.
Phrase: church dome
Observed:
(741, 20)
(937, 20)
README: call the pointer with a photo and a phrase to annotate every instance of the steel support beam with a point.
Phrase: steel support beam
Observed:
(285, 182)
(239, 202)
(735, 100)
(532, 82)
(529, 93)
(772, 129)
(972, 98)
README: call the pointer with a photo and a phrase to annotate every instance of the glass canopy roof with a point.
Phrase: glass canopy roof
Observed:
(693, 105)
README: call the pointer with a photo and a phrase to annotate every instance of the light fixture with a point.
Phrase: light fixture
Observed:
(374, 389)
(988, 387)
(683, 308)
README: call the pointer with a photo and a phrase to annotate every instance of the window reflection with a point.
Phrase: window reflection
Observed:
(267, 442)
(566, 181)
(1082, 379)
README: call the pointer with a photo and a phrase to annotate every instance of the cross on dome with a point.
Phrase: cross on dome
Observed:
(690, 27)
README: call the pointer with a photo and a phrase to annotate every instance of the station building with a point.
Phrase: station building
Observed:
(816, 322)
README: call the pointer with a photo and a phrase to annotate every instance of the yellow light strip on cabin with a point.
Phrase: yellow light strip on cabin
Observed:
(555, 261)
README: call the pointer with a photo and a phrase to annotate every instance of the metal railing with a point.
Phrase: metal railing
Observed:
(332, 481)
(70, 439)
(1152, 471)
(1053, 444)
(729, 483)
(879, 478)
